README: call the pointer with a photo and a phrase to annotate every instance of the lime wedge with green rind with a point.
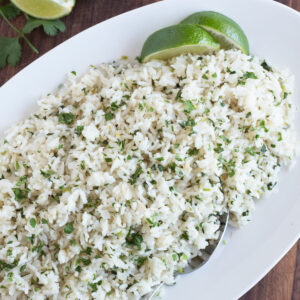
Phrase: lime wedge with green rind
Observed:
(225, 31)
(178, 39)
(45, 9)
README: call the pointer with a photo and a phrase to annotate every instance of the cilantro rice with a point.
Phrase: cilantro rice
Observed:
(120, 176)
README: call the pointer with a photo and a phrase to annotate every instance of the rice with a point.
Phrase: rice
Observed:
(119, 178)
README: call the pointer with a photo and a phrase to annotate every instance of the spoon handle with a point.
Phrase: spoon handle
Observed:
(153, 293)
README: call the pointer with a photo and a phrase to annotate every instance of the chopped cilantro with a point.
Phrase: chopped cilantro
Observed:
(178, 96)
(79, 129)
(270, 185)
(22, 269)
(20, 194)
(225, 139)
(250, 150)
(47, 174)
(142, 105)
(32, 222)
(140, 261)
(121, 144)
(229, 71)
(262, 125)
(247, 75)
(160, 167)
(114, 106)
(189, 107)
(22, 180)
(185, 235)
(69, 228)
(192, 151)
(66, 118)
(134, 238)
(136, 175)
(109, 116)
(153, 221)
(266, 66)
(219, 148)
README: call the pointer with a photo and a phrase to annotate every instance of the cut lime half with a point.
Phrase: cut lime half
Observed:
(178, 39)
(225, 31)
(45, 9)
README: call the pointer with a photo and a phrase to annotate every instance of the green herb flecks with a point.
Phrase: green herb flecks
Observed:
(247, 75)
(109, 116)
(192, 151)
(134, 238)
(66, 118)
(140, 261)
(121, 144)
(68, 229)
(225, 139)
(185, 236)
(153, 221)
(32, 222)
(47, 174)
(266, 66)
(78, 130)
(250, 150)
(134, 177)
(189, 106)
(20, 194)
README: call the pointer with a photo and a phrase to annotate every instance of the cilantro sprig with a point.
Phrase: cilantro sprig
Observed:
(10, 47)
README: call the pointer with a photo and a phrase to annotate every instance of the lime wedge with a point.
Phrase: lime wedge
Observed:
(45, 9)
(178, 39)
(225, 31)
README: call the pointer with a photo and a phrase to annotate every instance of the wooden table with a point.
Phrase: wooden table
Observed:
(283, 282)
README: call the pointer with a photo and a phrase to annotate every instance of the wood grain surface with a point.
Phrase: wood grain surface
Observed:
(283, 281)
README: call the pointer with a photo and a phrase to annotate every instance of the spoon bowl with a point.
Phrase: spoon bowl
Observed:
(199, 260)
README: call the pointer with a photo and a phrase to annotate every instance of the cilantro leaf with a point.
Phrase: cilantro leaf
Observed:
(51, 27)
(134, 238)
(10, 11)
(266, 66)
(66, 118)
(189, 106)
(69, 228)
(10, 51)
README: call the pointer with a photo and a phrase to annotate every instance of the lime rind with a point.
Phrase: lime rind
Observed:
(168, 53)
(177, 39)
(45, 9)
(226, 31)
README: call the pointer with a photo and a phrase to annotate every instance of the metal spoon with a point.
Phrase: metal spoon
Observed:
(198, 261)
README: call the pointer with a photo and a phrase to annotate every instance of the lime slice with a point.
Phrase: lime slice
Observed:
(227, 32)
(178, 39)
(45, 9)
